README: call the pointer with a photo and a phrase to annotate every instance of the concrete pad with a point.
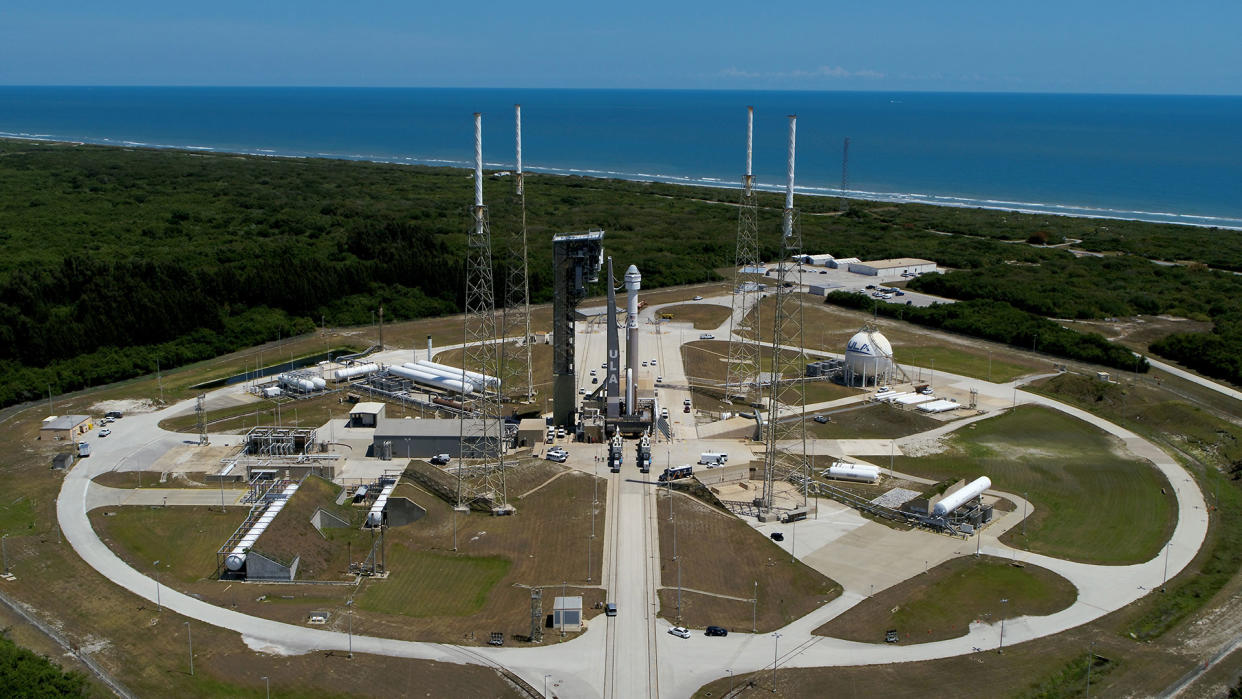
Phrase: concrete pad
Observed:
(861, 447)
(192, 458)
(873, 557)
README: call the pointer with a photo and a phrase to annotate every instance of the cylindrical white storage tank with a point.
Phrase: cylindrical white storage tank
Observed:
(236, 559)
(868, 356)
(350, 372)
(320, 384)
(296, 382)
(472, 376)
(443, 375)
(971, 491)
(428, 378)
(853, 472)
(271, 392)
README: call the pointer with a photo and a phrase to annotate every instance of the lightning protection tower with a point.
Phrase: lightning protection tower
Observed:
(745, 341)
(786, 460)
(200, 414)
(516, 377)
(481, 469)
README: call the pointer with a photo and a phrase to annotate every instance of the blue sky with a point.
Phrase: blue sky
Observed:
(1138, 46)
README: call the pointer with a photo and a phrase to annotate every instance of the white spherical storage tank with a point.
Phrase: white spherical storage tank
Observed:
(868, 357)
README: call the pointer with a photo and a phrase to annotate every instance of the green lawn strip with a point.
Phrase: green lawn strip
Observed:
(943, 603)
(425, 583)
(705, 316)
(959, 361)
(183, 539)
(1091, 505)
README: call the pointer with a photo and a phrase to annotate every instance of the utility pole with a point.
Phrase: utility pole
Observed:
(754, 610)
(190, 640)
(776, 644)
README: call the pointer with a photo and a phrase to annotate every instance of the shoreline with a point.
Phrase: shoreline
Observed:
(1032, 208)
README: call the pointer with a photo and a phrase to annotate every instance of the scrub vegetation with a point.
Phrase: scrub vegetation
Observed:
(117, 258)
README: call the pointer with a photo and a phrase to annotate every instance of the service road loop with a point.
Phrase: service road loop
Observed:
(633, 578)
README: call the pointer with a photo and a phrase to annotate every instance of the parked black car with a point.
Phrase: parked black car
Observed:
(717, 631)
(777, 536)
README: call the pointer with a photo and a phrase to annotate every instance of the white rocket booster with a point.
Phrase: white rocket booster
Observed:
(633, 282)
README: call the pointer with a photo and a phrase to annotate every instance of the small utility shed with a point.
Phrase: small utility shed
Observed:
(567, 614)
(62, 461)
(66, 427)
(366, 414)
(531, 431)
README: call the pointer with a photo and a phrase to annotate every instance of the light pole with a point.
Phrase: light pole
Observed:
(1165, 579)
(754, 609)
(5, 550)
(733, 686)
(267, 684)
(1001, 647)
(349, 608)
(776, 644)
(189, 640)
(158, 607)
(1024, 502)
(1090, 662)
(545, 686)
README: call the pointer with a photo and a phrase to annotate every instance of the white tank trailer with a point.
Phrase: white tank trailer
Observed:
(633, 283)
(471, 376)
(236, 560)
(845, 471)
(426, 378)
(351, 372)
(455, 377)
(971, 491)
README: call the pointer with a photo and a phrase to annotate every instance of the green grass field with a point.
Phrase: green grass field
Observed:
(446, 584)
(705, 316)
(878, 421)
(943, 603)
(1092, 504)
(955, 360)
(183, 539)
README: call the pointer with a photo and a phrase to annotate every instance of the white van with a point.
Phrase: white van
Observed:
(707, 336)
(713, 458)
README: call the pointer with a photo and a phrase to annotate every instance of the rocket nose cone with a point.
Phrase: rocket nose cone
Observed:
(632, 270)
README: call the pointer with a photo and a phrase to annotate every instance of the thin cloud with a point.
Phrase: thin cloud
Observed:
(832, 72)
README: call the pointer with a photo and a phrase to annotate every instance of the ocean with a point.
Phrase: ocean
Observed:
(1171, 159)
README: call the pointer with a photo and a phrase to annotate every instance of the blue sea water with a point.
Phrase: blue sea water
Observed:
(1157, 158)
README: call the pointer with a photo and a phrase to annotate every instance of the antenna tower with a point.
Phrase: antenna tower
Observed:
(481, 469)
(200, 413)
(536, 615)
(517, 378)
(786, 458)
(745, 341)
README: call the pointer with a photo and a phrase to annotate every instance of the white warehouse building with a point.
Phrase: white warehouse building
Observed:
(901, 266)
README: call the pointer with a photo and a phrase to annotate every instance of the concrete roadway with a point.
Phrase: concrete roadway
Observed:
(603, 664)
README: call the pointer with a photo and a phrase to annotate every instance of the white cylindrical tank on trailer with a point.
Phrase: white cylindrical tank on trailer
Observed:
(971, 491)
(271, 392)
(320, 384)
(853, 472)
(296, 382)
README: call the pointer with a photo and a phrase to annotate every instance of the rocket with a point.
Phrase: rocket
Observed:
(633, 282)
(613, 393)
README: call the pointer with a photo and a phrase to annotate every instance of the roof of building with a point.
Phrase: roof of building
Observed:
(64, 422)
(393, 427)
(367, 409)
(532, 423)
(897, 262)
(573, 602)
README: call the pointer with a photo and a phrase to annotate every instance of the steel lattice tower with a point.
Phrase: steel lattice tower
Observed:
(786, 458)
(481, 469)
(745, 340)
(517, 377)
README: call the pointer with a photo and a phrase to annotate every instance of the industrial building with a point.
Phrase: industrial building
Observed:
(420, 439)
(901, 266)
(567, 614)
(66, 427)
(366, 414)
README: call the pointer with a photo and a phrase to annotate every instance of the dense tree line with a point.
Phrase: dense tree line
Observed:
(180, 256)
(1001, 322)
(1218, 353)
(25, 674)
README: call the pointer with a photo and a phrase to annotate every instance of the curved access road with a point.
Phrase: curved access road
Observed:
(577, 668)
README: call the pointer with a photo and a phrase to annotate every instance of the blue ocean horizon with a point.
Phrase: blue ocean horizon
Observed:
(1175, 159)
